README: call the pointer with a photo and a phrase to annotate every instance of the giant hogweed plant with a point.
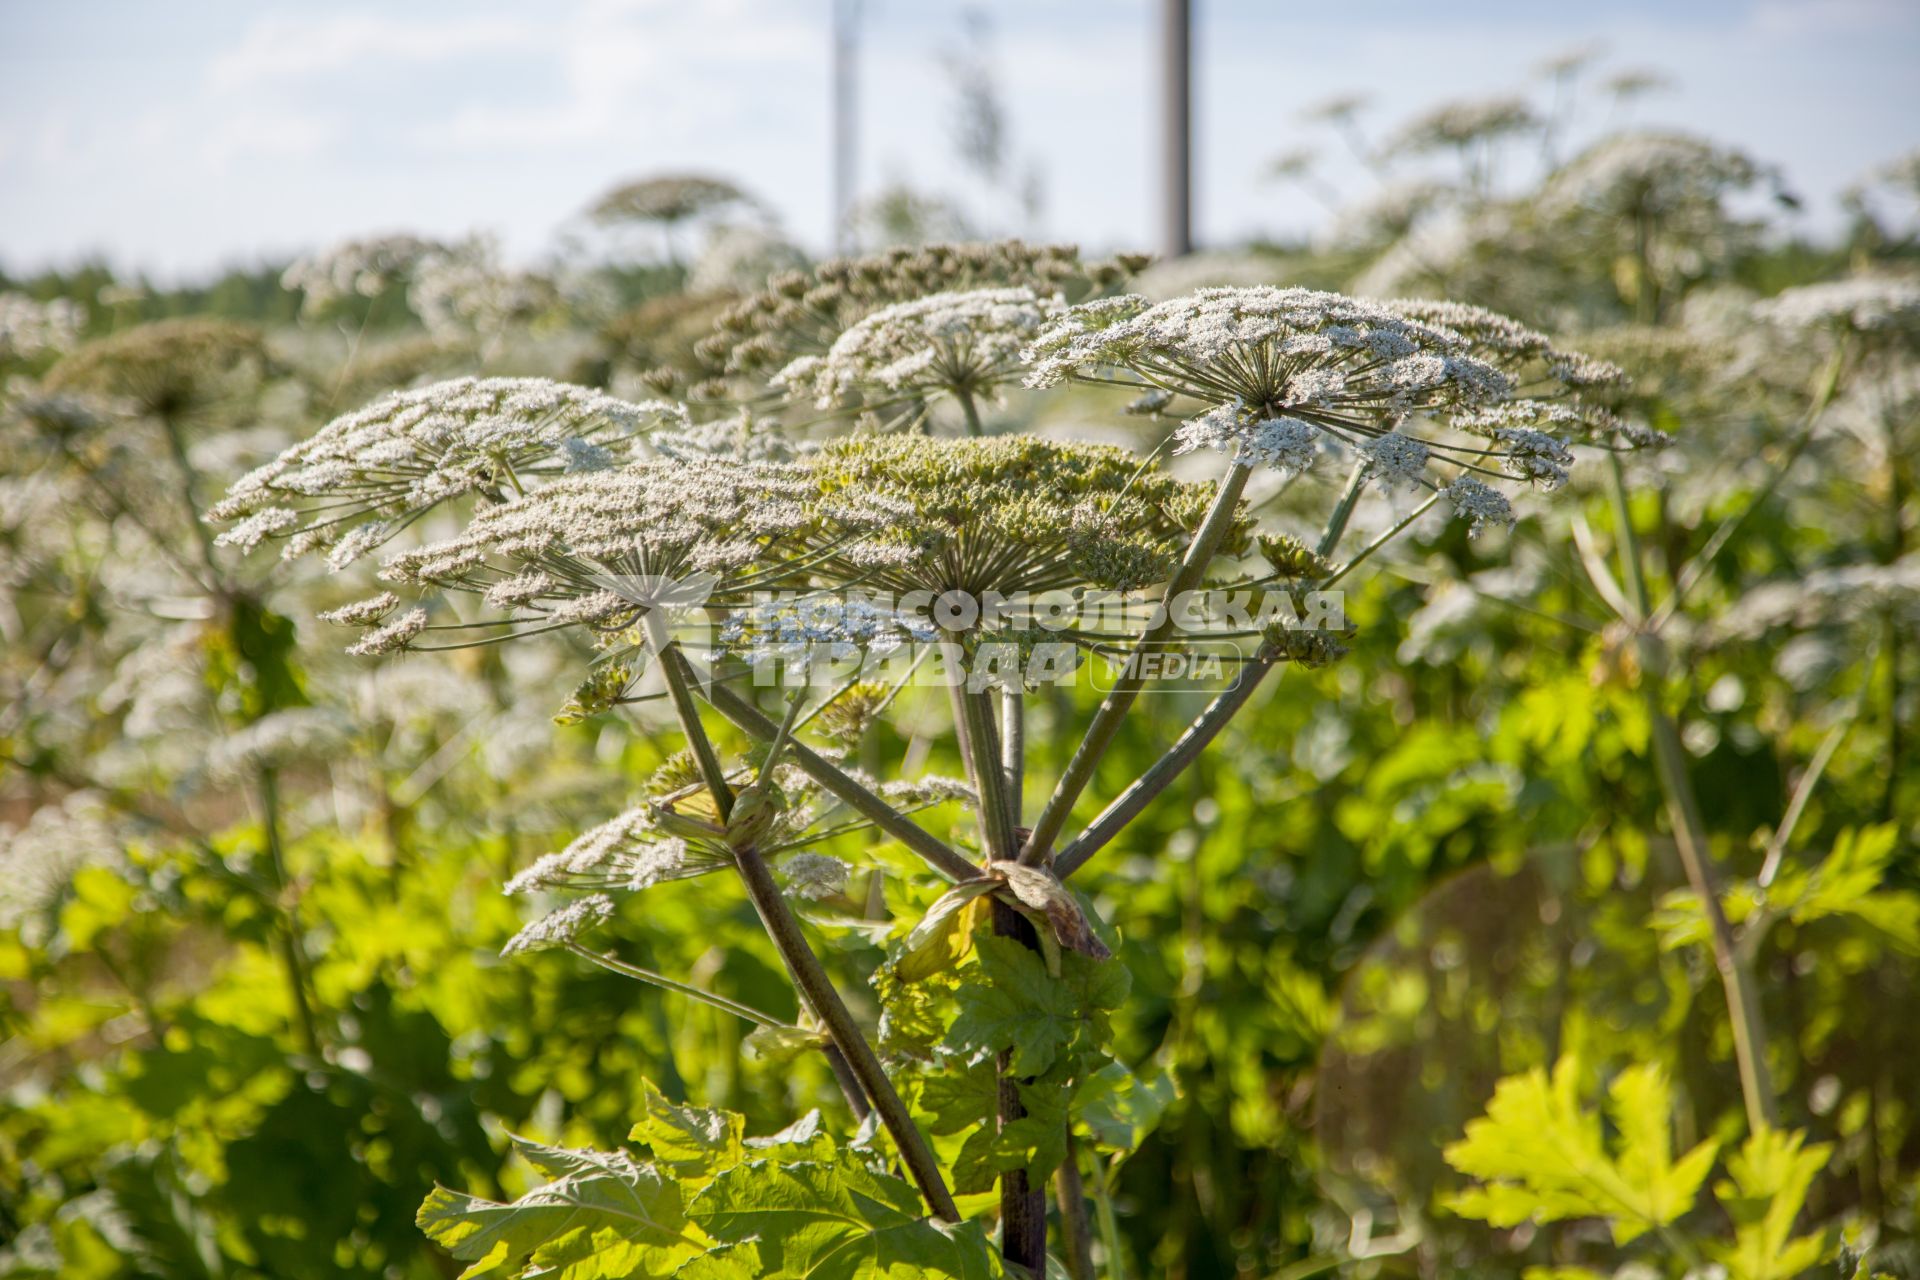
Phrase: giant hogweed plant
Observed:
(530, 507)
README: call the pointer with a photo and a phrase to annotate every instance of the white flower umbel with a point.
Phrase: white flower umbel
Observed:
(815, 875)
(279, 739)
(29, 327)
(1481, 505)
(1286, 370)
(363, 267)
(963, 344)
(603, 548)
(558, 928)
(352, 483)
(629, 852)
(1871, 304)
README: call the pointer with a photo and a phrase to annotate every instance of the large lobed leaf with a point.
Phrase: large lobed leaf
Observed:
(1542, 1157)
(602, 1214)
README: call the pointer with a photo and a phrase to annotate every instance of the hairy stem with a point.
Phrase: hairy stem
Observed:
(1106, 721)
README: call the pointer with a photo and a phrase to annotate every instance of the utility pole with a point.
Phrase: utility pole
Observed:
(1176, 128)
(846, 139)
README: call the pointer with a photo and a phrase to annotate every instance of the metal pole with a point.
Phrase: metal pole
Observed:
(1176, 128)
(846, 47)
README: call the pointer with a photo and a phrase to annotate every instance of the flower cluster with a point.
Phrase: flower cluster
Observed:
(803, 313)
(279, 739)
(1453, 125)
(351, 484)
(666, 198)
(603, 549)
(1881, 305)
(29, 327)
(1649, 173)
(468, 290)
(172, 370)
(1005, 514)
(679, 837)
(364, 267)
(1285, 373)
(961, 344)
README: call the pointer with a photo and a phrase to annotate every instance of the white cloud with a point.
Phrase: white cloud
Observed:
(1832, 17)
(276, 49)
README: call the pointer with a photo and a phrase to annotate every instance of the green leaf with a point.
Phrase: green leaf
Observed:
(1769, 1177)
(601, 1214)
(1121, 1107)
(1542, 1157)
(725, 1262)
(839, 1220)
(1017, 1006)
(696, 1143)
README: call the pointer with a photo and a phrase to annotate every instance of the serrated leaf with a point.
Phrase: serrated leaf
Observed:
(1542, 1157)
(958, 1095)
(1763, 1194)
(839, 1220)
(1121, 1107)
(804, 1139)
(603, 1213)
(1017, 1006)
(696, 1143)
(725, 1262)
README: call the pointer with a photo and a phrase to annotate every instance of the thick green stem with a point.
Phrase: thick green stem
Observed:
(1023, 1203)
(863, 1072)
(1185, 750)
(1013, 749)
(680, 680)
(980, 750)
(973, 414)
(810, 976)
(1106, 721)
(1690, 840)
(293, 953)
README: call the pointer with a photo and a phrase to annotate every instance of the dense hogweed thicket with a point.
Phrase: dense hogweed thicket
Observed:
(1602, 827)
(995, 1000)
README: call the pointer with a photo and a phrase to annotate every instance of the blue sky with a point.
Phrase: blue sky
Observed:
(175, 138)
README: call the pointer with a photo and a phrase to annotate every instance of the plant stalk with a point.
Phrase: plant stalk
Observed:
(1129, 804)
(863, 1070)
(1744, 1015)
(1075, 1231)
(848, 790)
(1106, 721)
(1023, 1204)
(293, 955)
